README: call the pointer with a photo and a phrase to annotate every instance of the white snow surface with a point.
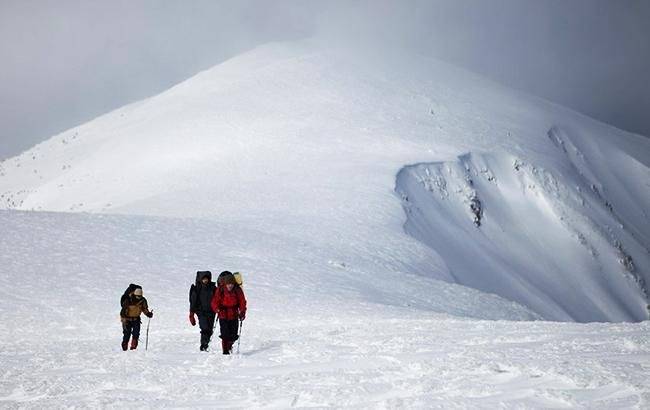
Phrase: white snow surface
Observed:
(319, 332)
(403, 226)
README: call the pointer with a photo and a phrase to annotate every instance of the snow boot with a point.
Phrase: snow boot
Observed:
(204, 348)
(134, 343)
(226, 345)
(125, 345)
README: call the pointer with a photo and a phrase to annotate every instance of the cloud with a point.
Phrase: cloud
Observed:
(68, 61)
(65, 62)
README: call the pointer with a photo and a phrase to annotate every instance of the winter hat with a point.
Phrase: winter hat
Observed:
(138, 292)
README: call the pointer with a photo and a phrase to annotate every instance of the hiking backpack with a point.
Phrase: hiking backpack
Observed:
(237, 275)
(238, 279)
(127, 293)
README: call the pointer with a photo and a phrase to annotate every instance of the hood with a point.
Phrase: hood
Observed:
(202, 274)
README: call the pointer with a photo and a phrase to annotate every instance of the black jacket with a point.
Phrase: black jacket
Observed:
(200, 294)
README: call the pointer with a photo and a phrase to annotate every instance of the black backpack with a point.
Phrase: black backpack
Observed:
(127, 293)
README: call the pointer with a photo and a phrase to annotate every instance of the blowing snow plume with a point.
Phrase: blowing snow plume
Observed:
(564, 241)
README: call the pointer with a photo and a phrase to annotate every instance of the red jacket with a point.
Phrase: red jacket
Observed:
(229, 305)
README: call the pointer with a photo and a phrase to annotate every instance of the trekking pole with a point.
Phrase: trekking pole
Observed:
(146, 341)
(241, 326)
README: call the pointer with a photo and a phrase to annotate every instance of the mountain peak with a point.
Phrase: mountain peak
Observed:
(307, 141)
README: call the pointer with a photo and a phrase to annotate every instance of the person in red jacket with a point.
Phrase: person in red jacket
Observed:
(229, 303)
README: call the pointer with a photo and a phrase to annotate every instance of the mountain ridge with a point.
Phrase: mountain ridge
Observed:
(306, 142)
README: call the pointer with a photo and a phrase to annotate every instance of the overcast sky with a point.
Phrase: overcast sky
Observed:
(65, 62)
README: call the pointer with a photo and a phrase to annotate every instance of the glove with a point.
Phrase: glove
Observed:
(192, 319)
(149, 315)
(242, 316)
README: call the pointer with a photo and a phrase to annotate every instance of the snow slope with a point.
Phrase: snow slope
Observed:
(319, 332)
(307, 142)
(547, 239)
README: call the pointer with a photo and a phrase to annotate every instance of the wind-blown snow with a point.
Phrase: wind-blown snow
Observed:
(381, 212)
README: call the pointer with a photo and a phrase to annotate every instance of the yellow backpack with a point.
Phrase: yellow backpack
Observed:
(238, 278)
(237, 275)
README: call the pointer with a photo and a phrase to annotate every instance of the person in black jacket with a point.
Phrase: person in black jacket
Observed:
(201, 293)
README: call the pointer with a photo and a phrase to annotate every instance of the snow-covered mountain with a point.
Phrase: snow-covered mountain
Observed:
(513, 195)
(381, 210)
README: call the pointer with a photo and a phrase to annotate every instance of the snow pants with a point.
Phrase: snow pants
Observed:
(130, 327)
(229, 330)
(206, 323)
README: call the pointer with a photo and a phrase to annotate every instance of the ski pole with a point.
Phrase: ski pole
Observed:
(241, 326)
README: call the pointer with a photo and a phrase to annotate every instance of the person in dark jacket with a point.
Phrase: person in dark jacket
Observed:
(133, 305)
(229, 303)
(201, 293)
